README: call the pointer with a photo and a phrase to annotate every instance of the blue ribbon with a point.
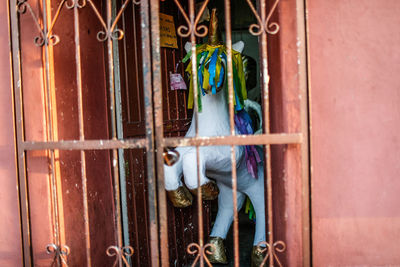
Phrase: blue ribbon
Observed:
(212, 70)
(237, 105)
(200, 72)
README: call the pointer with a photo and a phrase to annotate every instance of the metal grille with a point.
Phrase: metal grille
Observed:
(45, 19)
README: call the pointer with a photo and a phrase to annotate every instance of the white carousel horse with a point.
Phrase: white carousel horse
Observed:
(215, 163)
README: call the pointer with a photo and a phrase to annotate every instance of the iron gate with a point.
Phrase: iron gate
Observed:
(57, 135)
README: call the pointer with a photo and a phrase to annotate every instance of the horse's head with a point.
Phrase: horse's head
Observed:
(212, 65)
(212, 58)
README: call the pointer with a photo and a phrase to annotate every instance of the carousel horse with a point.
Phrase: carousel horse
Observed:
(215, 161)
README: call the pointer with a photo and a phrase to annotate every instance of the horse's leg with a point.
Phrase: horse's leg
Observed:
(256, 195)
(224, 217)
(223, 222)
(176, 191)
(208, 188)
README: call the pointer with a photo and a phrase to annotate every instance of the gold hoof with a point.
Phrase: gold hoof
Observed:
(219, 252)
(181, 197)
(257, 256)
(209, 191)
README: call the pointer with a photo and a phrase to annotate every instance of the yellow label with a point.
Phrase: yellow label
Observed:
(167, 31)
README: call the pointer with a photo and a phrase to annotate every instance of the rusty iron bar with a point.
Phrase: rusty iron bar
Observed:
(159, 130)
(148, 101)
(303, 79)
(86, 145)
(132, 143)
(192, 18)
(113, 115)
(75, 6)
(50, 109)
(267, 164)
(228, 34)
(237, 140)
(50, 134)
(193, 34)
(15, 54)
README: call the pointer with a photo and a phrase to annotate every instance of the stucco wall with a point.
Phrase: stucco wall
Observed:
(355, 115)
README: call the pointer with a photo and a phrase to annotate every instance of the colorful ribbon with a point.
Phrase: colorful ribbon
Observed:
(211, 73)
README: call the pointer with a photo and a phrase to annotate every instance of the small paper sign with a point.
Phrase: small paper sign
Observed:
(176, 81)
(167, 31)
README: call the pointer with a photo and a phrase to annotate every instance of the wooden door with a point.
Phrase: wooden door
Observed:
(182, 222)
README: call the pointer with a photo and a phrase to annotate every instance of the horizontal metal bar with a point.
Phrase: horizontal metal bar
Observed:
(262, 139)
(87, 144)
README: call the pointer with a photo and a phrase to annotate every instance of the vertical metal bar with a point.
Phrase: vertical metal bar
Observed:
(82, 132)
(265, 86)
(120, 135)
(232, 125)
(192, 18)
(159, 129)
(117, 196)
(56, 166)
(16, 73)
(304, 104)
(148, 101)
(50, 129)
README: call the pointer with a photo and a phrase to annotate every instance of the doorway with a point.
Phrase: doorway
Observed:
(72, 140)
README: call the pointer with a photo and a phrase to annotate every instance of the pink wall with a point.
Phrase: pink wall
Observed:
(10, 236)
(355, 115)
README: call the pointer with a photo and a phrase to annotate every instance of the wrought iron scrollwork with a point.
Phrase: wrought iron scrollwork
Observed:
(60, 254)
(263, 24)
(48, 37)
(278, 246)
(185, 31)
(109, 30)
(201, 252)
(120, 254)
(76, 3)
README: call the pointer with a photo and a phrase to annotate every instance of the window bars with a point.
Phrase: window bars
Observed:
(154, 141)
